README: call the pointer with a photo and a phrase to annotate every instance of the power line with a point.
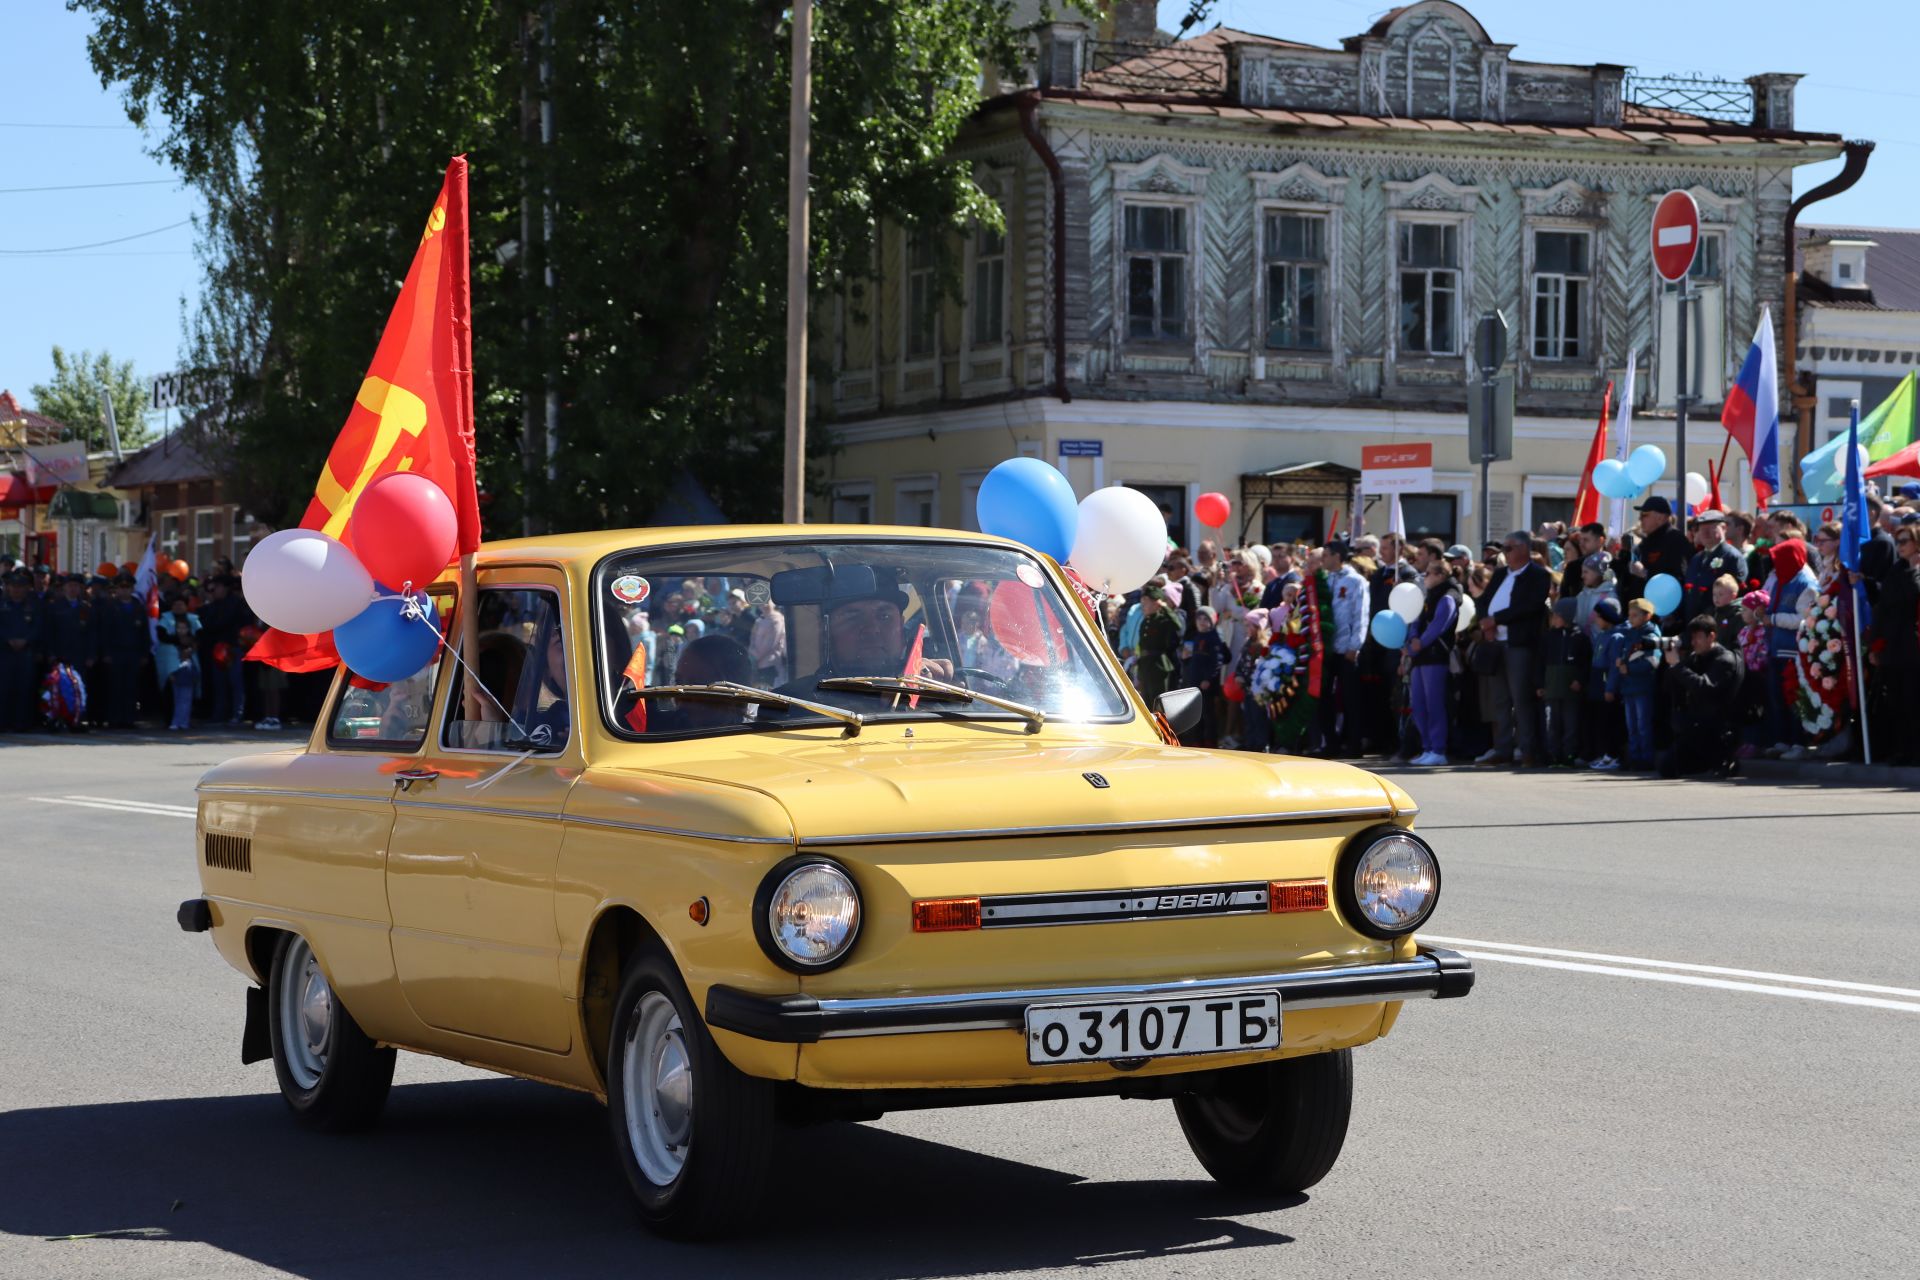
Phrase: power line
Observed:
(93, 186)
(138, 235)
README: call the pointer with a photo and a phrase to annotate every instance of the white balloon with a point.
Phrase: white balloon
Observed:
(1406, 599)
(1697, 488)
(304, 582)
(1121, 540)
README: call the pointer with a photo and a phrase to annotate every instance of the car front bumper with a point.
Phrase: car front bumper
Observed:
(802, 1019)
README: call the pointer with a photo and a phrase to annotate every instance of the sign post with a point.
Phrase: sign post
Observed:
(1676, 239)
(1489, 353)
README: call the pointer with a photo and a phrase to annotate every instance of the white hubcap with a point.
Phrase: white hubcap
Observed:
(306, 1015)
(657, 1075)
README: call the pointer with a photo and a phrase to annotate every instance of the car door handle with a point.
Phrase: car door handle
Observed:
(407, 777)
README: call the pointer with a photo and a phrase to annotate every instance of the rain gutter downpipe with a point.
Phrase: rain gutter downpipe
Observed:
(1029, 106)
(1800, 394)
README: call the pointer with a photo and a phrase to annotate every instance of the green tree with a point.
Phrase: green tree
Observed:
(317, 144)
(73, 397)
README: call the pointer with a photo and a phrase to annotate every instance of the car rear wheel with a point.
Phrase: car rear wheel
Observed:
(1272, 1127)
(695, 1134)
(332, 1075)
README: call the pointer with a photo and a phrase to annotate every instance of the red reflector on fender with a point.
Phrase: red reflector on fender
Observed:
(1296, 895)
(946, 915)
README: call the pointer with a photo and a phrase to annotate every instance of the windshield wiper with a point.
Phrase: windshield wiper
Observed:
(928, 687)
(727, 689)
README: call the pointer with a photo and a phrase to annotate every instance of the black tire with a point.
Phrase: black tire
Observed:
(728, 1127)
(350, 1088)
(1274, 1127)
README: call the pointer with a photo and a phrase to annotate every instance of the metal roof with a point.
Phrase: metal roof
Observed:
(1893, 269)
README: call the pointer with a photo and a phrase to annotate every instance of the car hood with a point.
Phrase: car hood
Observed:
(851, 791)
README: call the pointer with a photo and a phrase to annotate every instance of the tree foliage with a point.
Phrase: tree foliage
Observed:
(73, 397)
(317, 144)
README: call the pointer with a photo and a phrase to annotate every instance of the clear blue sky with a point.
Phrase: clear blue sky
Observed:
(127, 297)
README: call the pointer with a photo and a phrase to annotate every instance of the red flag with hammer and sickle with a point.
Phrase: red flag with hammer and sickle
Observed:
(414, 410)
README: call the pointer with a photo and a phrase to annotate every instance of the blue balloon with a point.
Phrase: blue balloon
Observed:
(1610, 478)
(1646, 465)
(382, 644)
(1389, 629)
(1663, 593)
(1029, 501)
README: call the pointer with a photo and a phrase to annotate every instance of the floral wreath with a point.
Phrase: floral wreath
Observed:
(1826, 678)
(1287, 680)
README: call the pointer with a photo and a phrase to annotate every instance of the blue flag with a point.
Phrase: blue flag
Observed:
(1854, 528)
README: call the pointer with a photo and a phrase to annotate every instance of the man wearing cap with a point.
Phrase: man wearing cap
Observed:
(123, 645)
(867, 636)
(1661, 548)
(1341, 734)
(1715, 558)
(22, 627)
(73, 634)
(1516, 601)
(1706, 689)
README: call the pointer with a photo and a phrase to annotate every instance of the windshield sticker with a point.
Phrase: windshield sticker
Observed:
(1030, 574)
(758, 593)
(630, 589)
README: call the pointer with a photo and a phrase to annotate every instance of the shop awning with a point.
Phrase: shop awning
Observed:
(15, 492)
(79, 504)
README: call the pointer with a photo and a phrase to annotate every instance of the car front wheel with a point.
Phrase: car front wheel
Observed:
(1274, 1126)
(332, 1075)
(695, 1134)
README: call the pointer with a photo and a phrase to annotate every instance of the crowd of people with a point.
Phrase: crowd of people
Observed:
(80, 652)
(1543, 649)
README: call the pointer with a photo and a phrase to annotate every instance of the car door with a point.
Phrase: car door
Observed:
(477, 834)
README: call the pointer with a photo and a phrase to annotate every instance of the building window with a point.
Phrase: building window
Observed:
(205, 530)
(989, 287)
(1707, 268)
(242, 538)
(853, 503)
(1430, 515)
(1157, 270)
(1296, 258)
(916, 501)
(1172, 501)
(1429, 288)
(1846, 270)
(1562, 288)
(923, 298)
(1551, 511)
(170, 535)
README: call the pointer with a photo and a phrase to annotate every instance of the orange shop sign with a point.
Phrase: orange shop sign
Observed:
(1396, 468)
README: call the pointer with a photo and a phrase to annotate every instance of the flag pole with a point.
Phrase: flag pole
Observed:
(1858, 588)
(794, 503)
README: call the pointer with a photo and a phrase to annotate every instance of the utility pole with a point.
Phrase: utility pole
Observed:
(1682, 397)
(794, 505)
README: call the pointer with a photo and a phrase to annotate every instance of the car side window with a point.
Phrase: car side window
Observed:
(522, 702)
(390, 717)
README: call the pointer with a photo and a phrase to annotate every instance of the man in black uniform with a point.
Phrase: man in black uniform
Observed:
(1705, 678)
(22, 630)
(73, 636)
(1715, 558)
(123, 648)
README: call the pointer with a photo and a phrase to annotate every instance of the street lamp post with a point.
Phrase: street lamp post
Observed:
(794, 506)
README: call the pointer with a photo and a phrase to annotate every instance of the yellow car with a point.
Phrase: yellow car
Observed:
(736, 829)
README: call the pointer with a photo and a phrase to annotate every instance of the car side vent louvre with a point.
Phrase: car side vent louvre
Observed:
(229, 853)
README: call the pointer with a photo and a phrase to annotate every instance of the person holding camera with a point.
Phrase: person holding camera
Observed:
(1705, 678)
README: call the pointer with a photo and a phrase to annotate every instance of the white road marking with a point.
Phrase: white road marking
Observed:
(150, 811)
(139, 804)
(1644, 963)
(1797, 993)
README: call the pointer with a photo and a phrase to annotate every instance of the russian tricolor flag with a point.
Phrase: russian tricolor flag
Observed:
(1751, 414)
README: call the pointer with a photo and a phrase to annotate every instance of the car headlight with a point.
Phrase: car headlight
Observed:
(1389, 882)
(808, 914)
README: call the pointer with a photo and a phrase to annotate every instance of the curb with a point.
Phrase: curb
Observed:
(1838, 773)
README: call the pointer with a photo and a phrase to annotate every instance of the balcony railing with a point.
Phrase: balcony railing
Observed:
(1150, 68)
(1729, 100)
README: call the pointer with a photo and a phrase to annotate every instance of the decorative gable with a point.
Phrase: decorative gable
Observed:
(1301, 184)
(1431, 192)
(1161, 175)
(1566, 199)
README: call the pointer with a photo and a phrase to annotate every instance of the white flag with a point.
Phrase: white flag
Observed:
(1623, 434)
(146, 587)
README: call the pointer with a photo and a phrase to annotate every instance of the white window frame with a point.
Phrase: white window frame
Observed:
(1461, 224)
(974, 310)
(170, 534)
(1329, 265)
(926, 482)
(931, 274)
(970, 482)
(1588, 312)
(206, 547)
(241, 541)
(850, 490)
(1189, 207)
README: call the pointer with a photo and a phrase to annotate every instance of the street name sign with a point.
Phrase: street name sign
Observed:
(1396, 468)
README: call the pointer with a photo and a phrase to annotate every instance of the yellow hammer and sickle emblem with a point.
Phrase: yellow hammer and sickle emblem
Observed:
(401, 413)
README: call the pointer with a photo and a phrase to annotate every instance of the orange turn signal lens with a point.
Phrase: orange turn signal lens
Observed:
(1296, 895)
(698, 911)
(946, 915)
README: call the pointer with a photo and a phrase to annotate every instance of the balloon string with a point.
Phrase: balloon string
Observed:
(412, 609)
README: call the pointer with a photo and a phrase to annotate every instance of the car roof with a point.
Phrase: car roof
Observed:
(591, 546)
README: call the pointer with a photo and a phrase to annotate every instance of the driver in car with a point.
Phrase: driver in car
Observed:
(867, 635)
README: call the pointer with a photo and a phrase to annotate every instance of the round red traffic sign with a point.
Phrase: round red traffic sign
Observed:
(1676, 235)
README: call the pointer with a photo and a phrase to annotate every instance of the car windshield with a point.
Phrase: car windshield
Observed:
(848, 625)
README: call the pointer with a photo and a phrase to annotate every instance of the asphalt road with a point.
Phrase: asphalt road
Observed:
(1613, 1112)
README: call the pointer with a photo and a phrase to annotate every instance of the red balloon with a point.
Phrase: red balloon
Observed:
(1025, 625)
(404, 530)
(1212, 509)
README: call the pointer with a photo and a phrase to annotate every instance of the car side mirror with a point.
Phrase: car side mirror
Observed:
(1181, 707)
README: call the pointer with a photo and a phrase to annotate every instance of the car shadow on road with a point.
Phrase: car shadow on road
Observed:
(501, 1178)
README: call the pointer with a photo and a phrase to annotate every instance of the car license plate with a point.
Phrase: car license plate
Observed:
(1153, 1028)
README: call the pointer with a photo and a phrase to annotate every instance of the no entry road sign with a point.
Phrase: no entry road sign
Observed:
(1676, 235)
